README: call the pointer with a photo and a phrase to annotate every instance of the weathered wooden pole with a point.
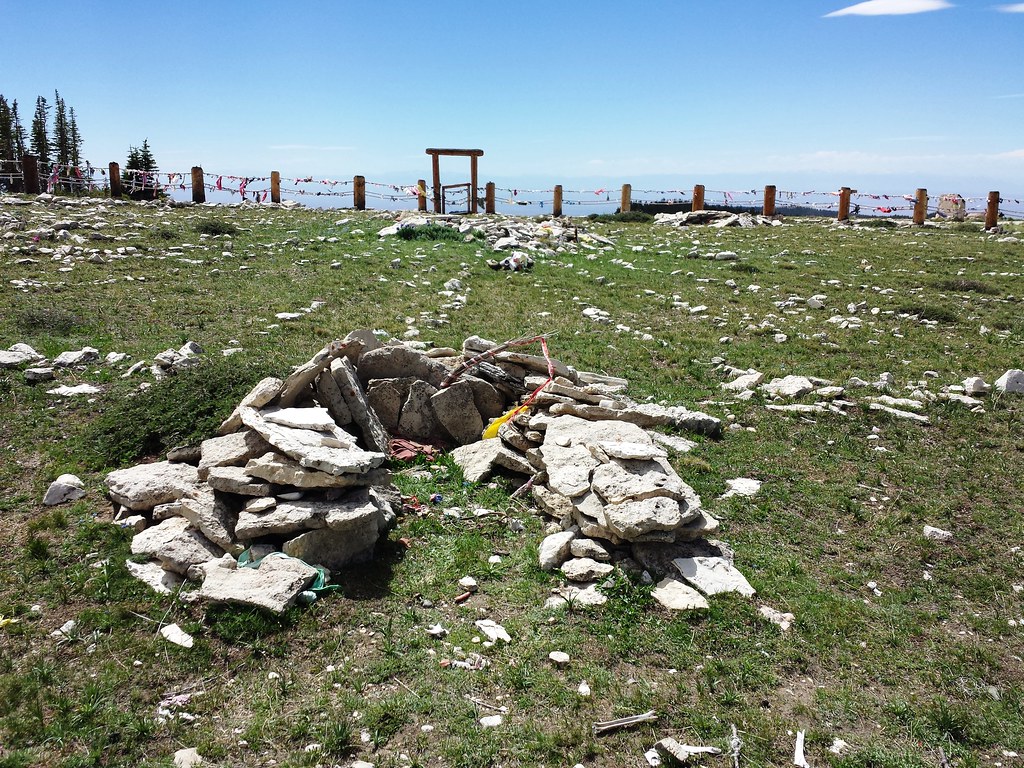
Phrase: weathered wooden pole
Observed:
(627, 191)
(198, 185)
(844, 204)
(30, 174)
(421, 195)
(115, 180)
(435, 163)
(769, 200)
(275, 186)
(489, 198)
(556, 207)
(359, 192)
(920, 206)
(992, 213)
(474, 199)
(698, 198)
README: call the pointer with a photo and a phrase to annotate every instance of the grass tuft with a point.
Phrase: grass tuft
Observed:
(430, 232)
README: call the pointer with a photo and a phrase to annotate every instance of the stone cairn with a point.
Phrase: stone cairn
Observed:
(298, 469)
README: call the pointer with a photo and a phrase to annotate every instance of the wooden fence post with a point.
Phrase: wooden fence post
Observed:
(627, 191)
(698, 198)
(920, 206)
(844, 204)
(421, 195)
(198, 185)
(769, 200)
(435, 164)
(30, 173)
(992, 213)
(359, 192)
(556, 207)
(489, 198)
(275, 186)
(115, 180)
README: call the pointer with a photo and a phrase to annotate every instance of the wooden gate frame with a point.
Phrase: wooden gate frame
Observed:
(472, 154)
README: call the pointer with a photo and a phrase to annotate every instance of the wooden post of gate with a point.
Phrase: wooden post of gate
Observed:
(115, 180)
(627, 191)
(474, 200)
(920, 206)
(769, 200)
(472, 154)
(556, 207)
(198, 187)
(436, 168)
(421, 195)
(844, 204)
(275, 186)
(359, 192)
(698, 198)
(992, 213)
(489, 198)
(30, 173)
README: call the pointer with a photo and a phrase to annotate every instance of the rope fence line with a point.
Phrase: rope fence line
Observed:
(24, 175)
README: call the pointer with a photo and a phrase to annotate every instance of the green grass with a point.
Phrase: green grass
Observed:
(927, 664)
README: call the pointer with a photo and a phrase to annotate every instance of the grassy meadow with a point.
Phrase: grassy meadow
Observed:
(902, 646)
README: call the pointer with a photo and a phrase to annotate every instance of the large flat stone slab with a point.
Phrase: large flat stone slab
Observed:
(176, 544)
(274, 585)
(144, 486)
(282, 470)
(230, 450)
(260, 395)
(713, 575)
(313, 449)
(620, 480)
(677, 596)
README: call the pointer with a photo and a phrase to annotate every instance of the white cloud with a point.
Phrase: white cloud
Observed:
(891, 8)
(1017, 154)
(1011, 8)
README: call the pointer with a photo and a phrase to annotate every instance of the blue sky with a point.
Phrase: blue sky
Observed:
(665, 95)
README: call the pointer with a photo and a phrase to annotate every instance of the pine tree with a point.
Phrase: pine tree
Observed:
(61, 134)
(40, 137)
(76, 140)
(141, 159)
(6, 132)
(19, 131)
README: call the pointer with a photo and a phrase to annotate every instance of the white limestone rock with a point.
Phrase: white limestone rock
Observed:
(744, 382)
(677, 596)
(275, 468)
(236, 480)
(155, 576)
(584, 569)
(144, 486)
(554, 549)
(1011, 382)
(263, 393)
(176, 544)
(713, 575)
(274, 585)
(234, 449)
(213, 516)
(65, 488)
(333, 452)
(568, 468)
(589, 548)
(788, 387)
(633, 518)
(314, 418)
(741, 486)
(621, 480)
(975, 385)
(83, 356)
(937, 534)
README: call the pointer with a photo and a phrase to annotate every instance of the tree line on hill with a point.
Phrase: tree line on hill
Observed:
(55, 141)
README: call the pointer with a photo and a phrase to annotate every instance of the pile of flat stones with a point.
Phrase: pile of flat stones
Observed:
(596, 465)
(296, 477)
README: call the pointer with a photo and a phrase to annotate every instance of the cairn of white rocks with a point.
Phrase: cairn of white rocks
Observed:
(716, 219)
(298, 470)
